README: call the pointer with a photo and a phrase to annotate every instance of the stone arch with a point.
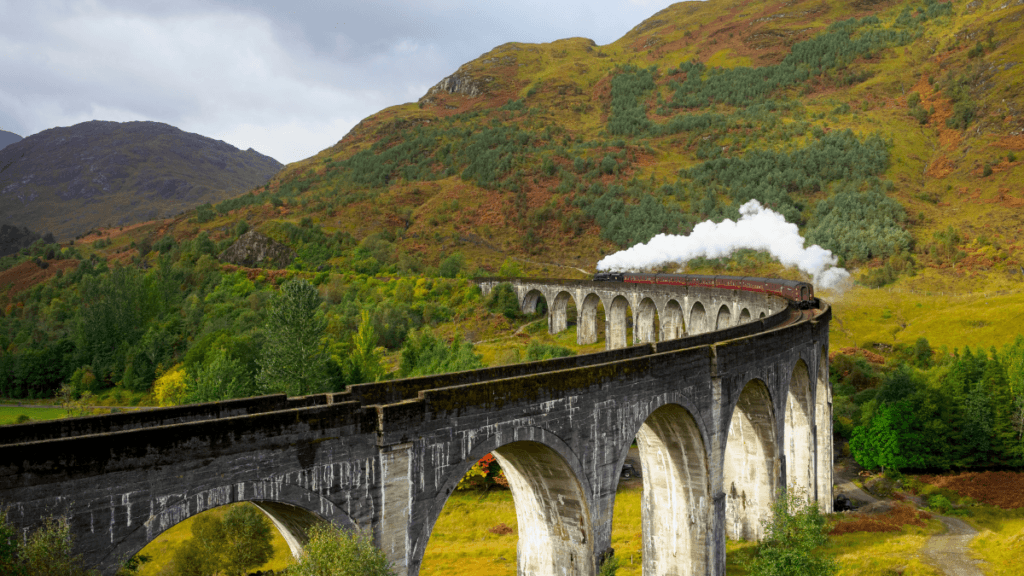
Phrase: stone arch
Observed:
(647, 323)
(723, 319)
(744, 316)
(551, 499)
(676, 502)
(672, 325)
(698, 320)
(823, 434)
(762, 315)
(799, 440)
(292, 509)
(750, 470)
(532, 300)
(587, 332)
(558, 316)
(619, 319)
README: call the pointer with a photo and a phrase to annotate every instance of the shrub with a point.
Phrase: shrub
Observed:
(610, 566)
(537, 351)
(332, 551)
(939, 503)
(46, 551)
(452, 265)
(505, 301)
(795, 529)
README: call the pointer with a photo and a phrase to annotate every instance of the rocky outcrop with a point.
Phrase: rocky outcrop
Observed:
(254, 249)
(458, 83)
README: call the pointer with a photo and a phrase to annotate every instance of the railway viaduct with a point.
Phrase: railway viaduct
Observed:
(723, 419)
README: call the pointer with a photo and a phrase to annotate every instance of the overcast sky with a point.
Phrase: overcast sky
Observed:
(285, 78)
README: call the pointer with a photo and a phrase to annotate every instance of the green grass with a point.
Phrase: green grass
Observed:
(10, 415)
(1001, 547)
(883, 553)
(161, 550)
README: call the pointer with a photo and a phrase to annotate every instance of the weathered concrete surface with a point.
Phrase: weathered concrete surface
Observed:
(722, 420)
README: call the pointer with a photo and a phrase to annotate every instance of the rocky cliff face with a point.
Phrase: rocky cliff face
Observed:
(70, 180)
(254, 249)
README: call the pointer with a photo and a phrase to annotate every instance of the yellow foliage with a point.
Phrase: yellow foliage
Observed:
(169, 389)
(422, 289)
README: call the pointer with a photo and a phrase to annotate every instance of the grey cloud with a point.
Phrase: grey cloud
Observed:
(287, 79)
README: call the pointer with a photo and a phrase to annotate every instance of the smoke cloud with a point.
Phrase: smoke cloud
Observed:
(758, 228)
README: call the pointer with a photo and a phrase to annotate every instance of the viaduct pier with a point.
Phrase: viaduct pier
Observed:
(726, 393)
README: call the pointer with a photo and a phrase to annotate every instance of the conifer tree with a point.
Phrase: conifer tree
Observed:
(294, 358)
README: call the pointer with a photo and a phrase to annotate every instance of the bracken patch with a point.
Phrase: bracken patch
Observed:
(1002, 489)
(892, 520)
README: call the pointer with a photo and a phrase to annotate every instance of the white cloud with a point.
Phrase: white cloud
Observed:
(758, 228)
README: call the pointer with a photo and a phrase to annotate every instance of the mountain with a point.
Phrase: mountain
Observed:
(70, 180)
(8, 138)
(889, 132)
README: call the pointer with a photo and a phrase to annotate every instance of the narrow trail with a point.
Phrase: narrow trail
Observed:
(948, 552)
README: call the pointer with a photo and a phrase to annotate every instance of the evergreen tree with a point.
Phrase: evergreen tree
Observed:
(294, 357)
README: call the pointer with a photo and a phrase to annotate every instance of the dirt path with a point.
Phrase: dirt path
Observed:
(948, 552)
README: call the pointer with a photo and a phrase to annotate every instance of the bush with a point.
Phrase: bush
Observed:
(795, 529)
(504, 300)
(46, 551)
(452, 265)
(331, 551)
(939, 503)
(537, 351)
(610, 566)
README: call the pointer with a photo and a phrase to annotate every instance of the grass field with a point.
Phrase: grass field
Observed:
(161, 550)
(10, 415)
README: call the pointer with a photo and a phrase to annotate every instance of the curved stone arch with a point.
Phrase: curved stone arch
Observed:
(823, 433)
(723, 319)
(698, 319)
(750, 467)
(515, 453)
(618, 330)
(291, 508)
(676, 505)
(672, 324)
(530, 301)
(761, 315)
(647, 317)
(744, 316)
(799, 449)
(558, 319)
(586, 324)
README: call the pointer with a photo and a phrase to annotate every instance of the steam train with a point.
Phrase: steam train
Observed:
(800, 292)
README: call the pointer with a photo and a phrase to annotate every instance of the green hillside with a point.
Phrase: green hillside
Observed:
(889, 132)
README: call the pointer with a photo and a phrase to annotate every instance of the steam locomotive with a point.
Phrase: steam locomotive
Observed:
(800, 292)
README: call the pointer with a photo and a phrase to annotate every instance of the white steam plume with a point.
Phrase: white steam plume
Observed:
(758, 228)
